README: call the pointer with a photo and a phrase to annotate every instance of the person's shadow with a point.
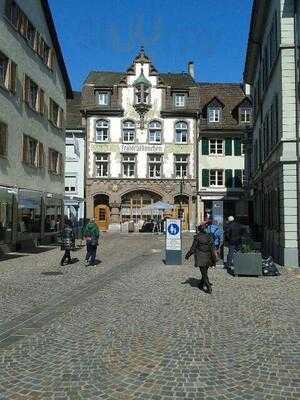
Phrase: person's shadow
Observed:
(193, 282)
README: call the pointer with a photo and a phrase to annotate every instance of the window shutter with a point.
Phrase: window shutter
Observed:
(7, 75)
(8, 5)
(238, 178)
(49, 160)
(205, 146)
(26, 89)
(205, 178)
(37, 42)
(40, 162)
(228, 178)
(41, 101)
(51, 58)
(23, 21)
(228, 147)
(25, 149)
(3, 139)
(237, 147)
(60, 117)
(13, 77)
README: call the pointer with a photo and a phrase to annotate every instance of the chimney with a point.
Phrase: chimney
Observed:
(191, 69)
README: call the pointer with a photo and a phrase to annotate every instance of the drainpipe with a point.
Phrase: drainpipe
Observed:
(296, 54)
(85, 163)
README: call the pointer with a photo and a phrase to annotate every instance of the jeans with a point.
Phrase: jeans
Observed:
(66, 256)
(232, 249)
(91, 251)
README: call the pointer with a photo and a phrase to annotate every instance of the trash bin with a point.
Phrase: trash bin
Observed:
(131, 226)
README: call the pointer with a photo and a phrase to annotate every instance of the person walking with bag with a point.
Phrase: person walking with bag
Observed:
(91, 235)
(67, 242)
(204, 256)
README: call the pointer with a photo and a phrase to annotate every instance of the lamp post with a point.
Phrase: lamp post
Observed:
(181, 193)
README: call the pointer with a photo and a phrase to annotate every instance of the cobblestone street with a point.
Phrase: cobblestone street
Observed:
(132, 328)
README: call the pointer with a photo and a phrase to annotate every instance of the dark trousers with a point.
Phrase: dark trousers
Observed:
(91, 251)
(232, 249)
(204, 282)
(66, 256)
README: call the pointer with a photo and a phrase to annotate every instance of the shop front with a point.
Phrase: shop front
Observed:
(7, 199)
(53, 211)
(29, 221)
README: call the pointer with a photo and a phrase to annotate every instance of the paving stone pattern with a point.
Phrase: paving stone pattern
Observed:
(133, 328)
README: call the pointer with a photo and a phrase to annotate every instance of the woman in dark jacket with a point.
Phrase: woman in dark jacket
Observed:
(204, 256)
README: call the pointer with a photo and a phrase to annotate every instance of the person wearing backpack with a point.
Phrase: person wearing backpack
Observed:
(203, 251)
(216, 232)
(91, 235)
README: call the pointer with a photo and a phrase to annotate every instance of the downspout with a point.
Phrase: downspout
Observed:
(197, 172)
(296, 40)
(85, 163)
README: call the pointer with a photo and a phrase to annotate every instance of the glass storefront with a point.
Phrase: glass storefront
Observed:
(6, 207)
(29, 211)
(53, 214)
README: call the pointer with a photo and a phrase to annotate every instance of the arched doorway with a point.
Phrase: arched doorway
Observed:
(134, 205)
(182, 210)
(101, 211)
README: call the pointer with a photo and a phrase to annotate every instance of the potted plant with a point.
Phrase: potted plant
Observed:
(247, 261)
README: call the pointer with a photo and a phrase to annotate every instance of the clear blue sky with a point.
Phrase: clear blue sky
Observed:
(107, 34)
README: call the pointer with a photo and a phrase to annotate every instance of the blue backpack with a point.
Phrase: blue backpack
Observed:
(216, 233)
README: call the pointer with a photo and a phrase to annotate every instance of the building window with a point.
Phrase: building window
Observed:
(245, 115)
(216, 177)
(142, 94)
(70, 184)
(102, 98)
(154, 132)
(30, 34)
(215, 146)
(179, 100)
(3, 139)
(56, 114)
(55, 162)
(181, 165)
(129, 162)
(181, 132)
(3, 69)
(33, 152)
(154, 165)
(101, 161)
(128, 128)
(8, 73)
(102, 127)
(214, 115)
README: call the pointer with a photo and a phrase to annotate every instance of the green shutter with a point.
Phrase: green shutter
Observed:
(205, 178)
(238, 178)
(205, 146)
(228, 147)
(228, 178)
(237, 147)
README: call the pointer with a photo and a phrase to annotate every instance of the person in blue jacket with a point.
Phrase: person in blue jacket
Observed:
(215, 230)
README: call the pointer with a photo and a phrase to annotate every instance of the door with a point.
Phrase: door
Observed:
(183, 214)
(102, 217)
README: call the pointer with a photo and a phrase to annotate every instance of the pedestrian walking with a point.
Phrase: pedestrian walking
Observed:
(91, 235)
(204, 256)
(216, 232)
(234, 233)
(67, 242)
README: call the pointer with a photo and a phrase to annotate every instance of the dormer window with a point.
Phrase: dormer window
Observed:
(245, 115)
(214, 115)
(102, 97)
(179, 100)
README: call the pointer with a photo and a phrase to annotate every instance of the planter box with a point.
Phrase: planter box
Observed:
(247, 264)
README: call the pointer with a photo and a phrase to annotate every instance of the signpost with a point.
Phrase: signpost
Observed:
(173, 242)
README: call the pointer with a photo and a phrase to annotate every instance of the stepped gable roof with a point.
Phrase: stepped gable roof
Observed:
(230, 94)
(104, 78)
(56, 45)
(73, 116)
(178, 80)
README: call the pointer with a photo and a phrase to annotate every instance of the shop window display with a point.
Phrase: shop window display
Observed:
(29, 212)
(6, 201)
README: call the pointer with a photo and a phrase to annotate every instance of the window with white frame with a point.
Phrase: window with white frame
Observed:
(155, 132)
(181, 132)
(128, 128)
(102, 98)
(71, 184)
(154, 165)
(216, 177)
(102, 127)
(214, 115)
(179, 100)
(102, 162)
(245, 115)
(129, 162)
(181, 165)
(216, 146)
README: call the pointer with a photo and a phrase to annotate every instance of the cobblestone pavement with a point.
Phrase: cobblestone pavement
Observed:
(133, 328)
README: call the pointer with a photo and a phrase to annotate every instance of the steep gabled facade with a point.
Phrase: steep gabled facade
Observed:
(141, 129)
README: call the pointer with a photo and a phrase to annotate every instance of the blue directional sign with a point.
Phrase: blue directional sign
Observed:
(173, 229)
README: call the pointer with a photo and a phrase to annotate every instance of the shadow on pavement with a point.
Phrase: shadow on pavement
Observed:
(193, 282)
(52, 273)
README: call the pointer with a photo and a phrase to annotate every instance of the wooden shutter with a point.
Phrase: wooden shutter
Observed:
(228, 178)
(25, 149)
(237, 147)
(37, 42)
(238, 178)
(8, 5)
(205, 146)
(3, 139)
(51, 58)
(205, 178)
(41, 155)
(228, 147)
(60, 117)
(13, 77)
(26, 89)
(23, 24)
(41, 101)
(7, 74)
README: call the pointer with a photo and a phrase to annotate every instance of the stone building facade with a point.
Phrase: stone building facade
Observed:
(141, 130)
(272, 70)
(34, 86)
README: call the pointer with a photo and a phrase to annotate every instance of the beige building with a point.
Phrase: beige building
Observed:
(34, 86)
